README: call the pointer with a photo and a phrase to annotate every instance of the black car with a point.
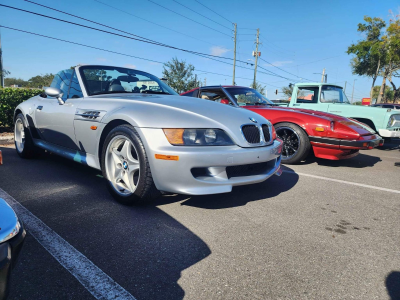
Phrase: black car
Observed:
(12, 236)
(387, 105)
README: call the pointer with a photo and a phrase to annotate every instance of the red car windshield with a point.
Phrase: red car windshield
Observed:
(248, 97)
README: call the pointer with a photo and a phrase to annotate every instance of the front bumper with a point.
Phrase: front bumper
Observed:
(346, 144)
(183, 176)
(9, 252)
(390, 133)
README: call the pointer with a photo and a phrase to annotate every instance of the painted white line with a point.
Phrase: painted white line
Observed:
(346, 182)
(99, 284)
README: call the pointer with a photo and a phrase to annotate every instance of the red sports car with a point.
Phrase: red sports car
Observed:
(329, 136)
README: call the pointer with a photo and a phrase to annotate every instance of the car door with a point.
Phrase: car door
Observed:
(54, 121)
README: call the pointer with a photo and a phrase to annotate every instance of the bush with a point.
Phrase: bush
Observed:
(9, 100)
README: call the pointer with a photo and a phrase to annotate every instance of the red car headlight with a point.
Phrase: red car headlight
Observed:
(273, 133)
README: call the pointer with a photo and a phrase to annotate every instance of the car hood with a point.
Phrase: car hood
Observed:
(8, 220)
(170, 111)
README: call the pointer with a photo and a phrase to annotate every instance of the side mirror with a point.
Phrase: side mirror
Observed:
(224, 101)
(56, 93)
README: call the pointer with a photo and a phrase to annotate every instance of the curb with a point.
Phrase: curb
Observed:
(6, 140)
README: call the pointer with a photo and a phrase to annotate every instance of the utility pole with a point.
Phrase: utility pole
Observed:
(256, 54)
(234, 56)
(205, 81)
(352, 94)
(345, 84)
(323, 75)
(1, 65)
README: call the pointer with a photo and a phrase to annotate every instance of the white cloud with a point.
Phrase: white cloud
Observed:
(218, 51)
(130, 66)
(102, 59)
(280, 63)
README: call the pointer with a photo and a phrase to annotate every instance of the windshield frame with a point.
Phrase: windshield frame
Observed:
(258, 94)
(167, 90)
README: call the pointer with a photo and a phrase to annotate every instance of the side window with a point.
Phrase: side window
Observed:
(62, 80)
(388, 106)
(307, 95)
(75, 90)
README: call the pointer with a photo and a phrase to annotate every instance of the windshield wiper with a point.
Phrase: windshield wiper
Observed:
(109, 92)
(155, 92)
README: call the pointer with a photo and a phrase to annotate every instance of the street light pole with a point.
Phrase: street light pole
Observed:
(352, 94)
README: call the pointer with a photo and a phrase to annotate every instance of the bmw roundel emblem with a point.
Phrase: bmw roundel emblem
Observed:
(253, 120)
(125, 165)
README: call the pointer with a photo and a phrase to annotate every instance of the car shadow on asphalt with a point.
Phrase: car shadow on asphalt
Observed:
(393, 285)
(142, 248)
(240, 195)
(394, 144)
(359, 161)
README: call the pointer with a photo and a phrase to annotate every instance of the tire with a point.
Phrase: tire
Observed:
(23, 140)
(124, 157)
(296, 145)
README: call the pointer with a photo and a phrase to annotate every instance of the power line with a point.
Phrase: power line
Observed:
(110, 51)
(282, 69)
(188, 18)
(116, 8)
(214, 11)
(136, 37)
(201, 15)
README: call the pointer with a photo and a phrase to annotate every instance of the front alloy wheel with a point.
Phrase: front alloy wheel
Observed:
(126, 167)
(122, 165)
(296, 144)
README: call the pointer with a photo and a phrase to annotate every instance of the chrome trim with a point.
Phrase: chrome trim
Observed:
(93, 115)
(262, 142)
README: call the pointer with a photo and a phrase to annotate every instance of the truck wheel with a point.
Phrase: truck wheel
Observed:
(126, 167)
(296, 144)
(23, 139)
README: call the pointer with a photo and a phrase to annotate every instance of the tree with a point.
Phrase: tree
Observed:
(287, 91)
(5, 72)
(40, 81)
(258, 87)
(388, 96)
(179, 75)
(392, 40)
(18, 81)
(369, 53)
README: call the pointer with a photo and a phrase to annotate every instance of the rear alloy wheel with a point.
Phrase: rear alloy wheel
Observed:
(23, 140)
(126, 167)
(296, 144)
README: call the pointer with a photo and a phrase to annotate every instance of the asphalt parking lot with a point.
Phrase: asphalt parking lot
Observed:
(323, 230)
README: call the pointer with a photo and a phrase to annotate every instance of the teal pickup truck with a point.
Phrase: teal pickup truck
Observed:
(331, 98)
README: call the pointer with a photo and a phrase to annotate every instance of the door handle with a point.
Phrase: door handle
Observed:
(296, 104)
(39, 107)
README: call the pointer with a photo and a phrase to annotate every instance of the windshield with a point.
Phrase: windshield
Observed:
(248, 96)
(107, 80)
(333, 94)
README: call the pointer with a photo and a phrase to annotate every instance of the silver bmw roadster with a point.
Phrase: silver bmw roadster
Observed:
(144, 137)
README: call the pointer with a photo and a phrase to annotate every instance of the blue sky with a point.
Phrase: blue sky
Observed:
(301, 37)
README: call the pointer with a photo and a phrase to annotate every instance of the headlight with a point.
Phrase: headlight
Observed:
(332, 125)
(394, 121)
(197, 137)
(13, 233)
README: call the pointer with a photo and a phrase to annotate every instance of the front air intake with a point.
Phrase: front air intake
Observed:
(251, 134)
(267, 135)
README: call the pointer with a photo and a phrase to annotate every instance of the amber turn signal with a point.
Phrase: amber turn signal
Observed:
(93, 127)
(166, 157)
(319, 128)
(174, 135)
(1, 158)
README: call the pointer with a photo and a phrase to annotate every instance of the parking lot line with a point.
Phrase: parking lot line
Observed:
(346, 182)
(99, 284)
